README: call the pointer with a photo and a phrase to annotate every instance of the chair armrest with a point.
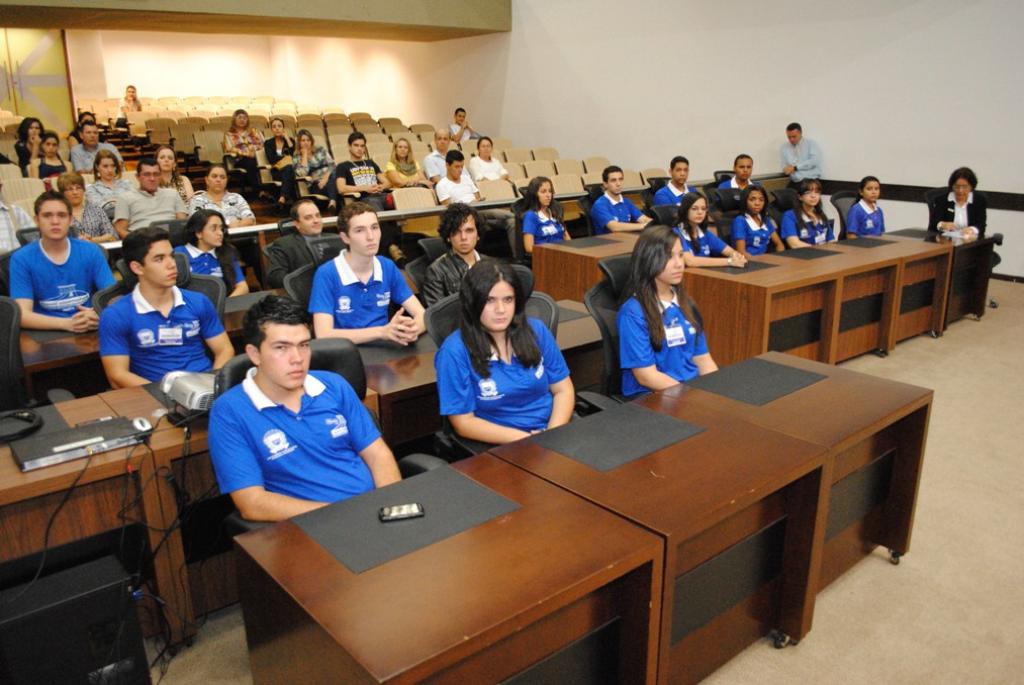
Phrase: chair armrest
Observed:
(997, 238)
(415, 464)
(233, 524)
(55, 395)
(588, 402)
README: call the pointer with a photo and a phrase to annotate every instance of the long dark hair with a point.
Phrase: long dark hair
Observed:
(473, 294)
(532, 199)
(807, 185)
(650, 255)
(682, 216)
(27, 122)
(745, 195)
(226, 253)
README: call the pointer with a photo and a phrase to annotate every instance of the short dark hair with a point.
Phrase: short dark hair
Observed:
(608, 171)
(460, 109)
(350, 210)
(148, 161)
(294, 211)
(795, 127)
(866, 180)
(454, 156)
(454, 217)
(272, 309)
(49, 195)
(964, 173)
(677, 160)
(742, 155)
(136, 244)
(356, 135)
(87, 122)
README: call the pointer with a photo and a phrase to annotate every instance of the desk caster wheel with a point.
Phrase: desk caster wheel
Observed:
(780, 639)
(894, 557)
(934, 334)
(881, 353)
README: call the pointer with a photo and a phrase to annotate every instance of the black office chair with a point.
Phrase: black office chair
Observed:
(432, 248)
(12, 368)
(5, 274)
(442, 320)
(27, 235)
(666, 215)
(935, 195)
(417, 272)
(656, 183)
(213, 287)
(286, 226)
(843, 200)
(299, 283)
(326, 247)
(781, 201)
(526, 280)
(515, 234)
(586, 203)
(339, 356)
(723, 175)
(175, 229)
(723, 207)
(602, 302)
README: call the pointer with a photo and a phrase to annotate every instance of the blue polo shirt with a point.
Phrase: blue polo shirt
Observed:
(543, 230)
(731, 183)
(675, 358)
(352, 303)
(513, 395)
(861, 220)
(156, 344)
(58, 289)
(810, 232)
(311, 455)
(757, 238)
(708, 244)
(604, 210)
(206, 263)
(667, 194)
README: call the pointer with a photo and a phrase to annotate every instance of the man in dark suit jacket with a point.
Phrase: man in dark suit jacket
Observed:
(942, 211)
(291, 252)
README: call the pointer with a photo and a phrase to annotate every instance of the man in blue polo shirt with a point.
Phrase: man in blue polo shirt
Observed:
(742, 170)
(53, 279)
(158, 327)
(351, 293)
(612, 212)
(672, 192)
(288, 440)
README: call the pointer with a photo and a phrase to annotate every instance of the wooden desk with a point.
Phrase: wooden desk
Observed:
(406, 382)
(566, 273)
(826, 309)
(481, 606)
(104, 499)
(738, 508)
(874, 431)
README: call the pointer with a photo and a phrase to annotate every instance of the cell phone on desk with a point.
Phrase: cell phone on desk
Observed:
(400, 512)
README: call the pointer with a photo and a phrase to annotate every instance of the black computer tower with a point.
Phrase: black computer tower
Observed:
(77, 625)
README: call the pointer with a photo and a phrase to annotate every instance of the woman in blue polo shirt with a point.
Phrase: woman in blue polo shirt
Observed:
(701, 247)
(661, 337)
(814, 228)
(501, 376)
(865, 217)
(209, 254)
(542, 221)
(753, 230)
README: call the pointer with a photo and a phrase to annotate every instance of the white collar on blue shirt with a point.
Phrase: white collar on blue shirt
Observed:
(142, 306)
(195, 252)
(310, 385)
(678, 193)
(665, 304)
(952, 198)
(866, 207)
(612, 199)
(348, 277)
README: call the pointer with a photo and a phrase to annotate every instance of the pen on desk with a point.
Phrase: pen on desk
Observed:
(86, 423)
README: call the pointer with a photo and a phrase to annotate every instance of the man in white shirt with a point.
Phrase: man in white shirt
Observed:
(12, 219)
(460, 129)
(457, 186)
(434, 163)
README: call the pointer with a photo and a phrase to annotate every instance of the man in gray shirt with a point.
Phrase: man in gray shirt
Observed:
(801, 157)
(84, 154)
(139, 208)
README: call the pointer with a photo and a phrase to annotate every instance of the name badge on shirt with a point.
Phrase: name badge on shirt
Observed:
(169, 335)
(819, 237)
(869, 224)
(674, 335)
(549, 229)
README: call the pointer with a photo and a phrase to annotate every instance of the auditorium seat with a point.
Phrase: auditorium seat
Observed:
(567, 183)
(519, 154)
(592, 164)
(541, 168)
(548, 153)
(496, 190)
(569, 166)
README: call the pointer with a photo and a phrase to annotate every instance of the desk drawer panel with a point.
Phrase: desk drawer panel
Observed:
(795, 331)
(855, 496)
(917, 296)
(860, 312)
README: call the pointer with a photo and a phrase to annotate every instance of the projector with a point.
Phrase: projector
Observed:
(187, 393)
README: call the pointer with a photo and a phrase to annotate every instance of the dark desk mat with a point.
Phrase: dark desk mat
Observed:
(751, 266)
(52, 421)
(47, 336)
(241, 303)
(382, 351)
(351, 531)
(910, 232)
(867, 242)
(755, 381)
(158, 394)
(570, 315)
(592, 241)
(617, 436)
(805, 253)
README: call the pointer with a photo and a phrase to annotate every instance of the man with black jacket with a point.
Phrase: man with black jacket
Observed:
(459, 230)
(292, 251)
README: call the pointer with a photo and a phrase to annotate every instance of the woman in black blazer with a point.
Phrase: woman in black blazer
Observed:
(963, 210)
(280, 148)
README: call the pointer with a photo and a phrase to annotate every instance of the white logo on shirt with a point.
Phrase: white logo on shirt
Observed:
(549, 229)
(539, 373)
(339, 426)
(344, 304)
(488, 389)
(277, 444)
(146, 337)
(192, 329)
(384, 298)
